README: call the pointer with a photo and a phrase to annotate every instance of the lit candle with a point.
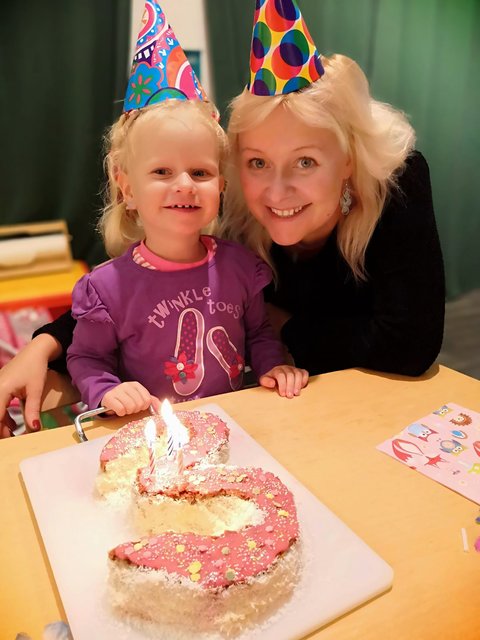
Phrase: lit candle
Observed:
(150, 435)
(177, 435)
(180, 462)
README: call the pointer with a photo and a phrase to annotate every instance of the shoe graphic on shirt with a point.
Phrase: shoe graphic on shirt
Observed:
(185, 368)
(224, 351)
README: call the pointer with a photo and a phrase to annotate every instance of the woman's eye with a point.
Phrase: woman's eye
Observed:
(257, 163)
(306, 163)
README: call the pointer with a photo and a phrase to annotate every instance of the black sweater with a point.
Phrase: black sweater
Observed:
(392, 323)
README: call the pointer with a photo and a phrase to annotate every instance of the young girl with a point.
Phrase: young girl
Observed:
(178, 314)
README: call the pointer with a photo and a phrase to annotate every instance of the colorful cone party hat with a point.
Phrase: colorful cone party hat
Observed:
(283, 56)
(160, 69)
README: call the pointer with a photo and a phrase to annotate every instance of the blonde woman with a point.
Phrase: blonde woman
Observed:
(325, 185)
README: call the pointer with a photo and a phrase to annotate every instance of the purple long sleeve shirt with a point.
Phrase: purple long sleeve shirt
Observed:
(182, 334)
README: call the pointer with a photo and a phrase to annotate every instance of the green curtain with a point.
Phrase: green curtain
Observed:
(423, 56)
(62, 79)
(229, 25)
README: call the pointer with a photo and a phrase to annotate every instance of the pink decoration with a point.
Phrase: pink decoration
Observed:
(236, 550)
(180, 462)
(151, 461)
(150, 435)
(207, 433)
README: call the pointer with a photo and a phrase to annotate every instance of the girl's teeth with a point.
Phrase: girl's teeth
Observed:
(183, 206)
(285, 213)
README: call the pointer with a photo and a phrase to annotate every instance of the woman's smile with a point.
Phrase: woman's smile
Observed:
(287, 213)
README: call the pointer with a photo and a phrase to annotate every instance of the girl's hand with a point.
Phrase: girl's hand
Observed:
(127, 398)
(289, 380)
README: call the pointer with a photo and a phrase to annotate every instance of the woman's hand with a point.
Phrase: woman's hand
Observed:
(24, 378)
(277, 317)
(127, 398)
(289, 380)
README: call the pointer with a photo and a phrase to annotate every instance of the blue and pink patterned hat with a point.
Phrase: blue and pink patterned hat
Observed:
(283, 56)
(160, 69)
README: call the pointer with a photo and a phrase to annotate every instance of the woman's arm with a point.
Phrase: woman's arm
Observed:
(24, 378)
(402, 330)
(62, 330)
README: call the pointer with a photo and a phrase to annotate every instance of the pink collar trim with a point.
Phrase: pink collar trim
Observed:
(146, 258)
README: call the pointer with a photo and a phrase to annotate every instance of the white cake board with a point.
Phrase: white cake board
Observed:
(340, 571)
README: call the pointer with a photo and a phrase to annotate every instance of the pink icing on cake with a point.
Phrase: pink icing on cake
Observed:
(207, 433)
(233, 557)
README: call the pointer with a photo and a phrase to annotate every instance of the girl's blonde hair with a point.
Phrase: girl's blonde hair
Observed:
(119, 226)
(376, 137)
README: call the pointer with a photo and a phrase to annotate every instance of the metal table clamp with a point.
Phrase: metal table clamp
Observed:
(84, 416)
(95, 412)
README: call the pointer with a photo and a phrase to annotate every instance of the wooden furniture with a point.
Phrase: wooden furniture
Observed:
(52, 290)
(327, 439)
(30, 249)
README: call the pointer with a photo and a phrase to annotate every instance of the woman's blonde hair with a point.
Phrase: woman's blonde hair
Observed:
(118, 225)
(376, 137)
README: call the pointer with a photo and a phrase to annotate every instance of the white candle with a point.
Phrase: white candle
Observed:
(177, 434)
(150, 435)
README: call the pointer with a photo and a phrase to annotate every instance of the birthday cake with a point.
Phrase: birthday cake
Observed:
(127, 450)
(219, 553)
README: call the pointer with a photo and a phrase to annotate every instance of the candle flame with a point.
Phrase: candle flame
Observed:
(166, 410)
(150, 432)
(178, 432)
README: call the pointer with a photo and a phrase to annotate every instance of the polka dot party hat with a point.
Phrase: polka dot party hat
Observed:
(160, 69)
(283, 55)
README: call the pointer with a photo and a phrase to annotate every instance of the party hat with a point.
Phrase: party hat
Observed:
(160, 69)
(283, 56)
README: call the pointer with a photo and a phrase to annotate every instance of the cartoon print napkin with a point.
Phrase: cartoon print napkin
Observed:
(445, 446)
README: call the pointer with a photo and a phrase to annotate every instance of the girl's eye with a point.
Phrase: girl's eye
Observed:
(200, 173)
(162, 172)
(257, 163)
(306, 163)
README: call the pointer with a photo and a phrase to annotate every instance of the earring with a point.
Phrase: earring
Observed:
(346, 200)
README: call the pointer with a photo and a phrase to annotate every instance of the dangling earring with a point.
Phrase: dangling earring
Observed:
(346, 200)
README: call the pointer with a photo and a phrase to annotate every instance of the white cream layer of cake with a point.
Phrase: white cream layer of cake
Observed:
(159, 597)
(210, 516)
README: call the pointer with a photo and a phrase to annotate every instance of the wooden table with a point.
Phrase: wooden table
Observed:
(327, 439)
